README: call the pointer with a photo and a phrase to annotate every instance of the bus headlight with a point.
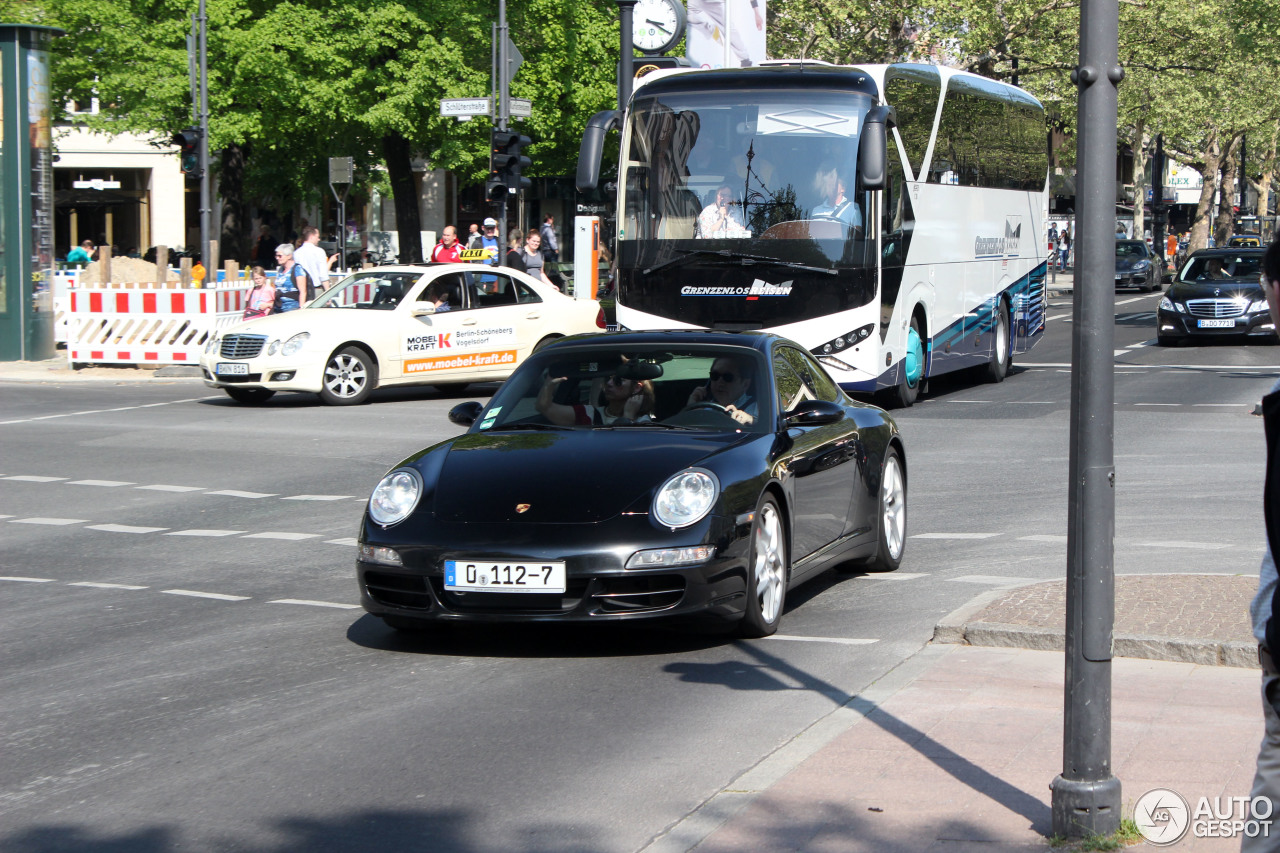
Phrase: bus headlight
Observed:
(846, 340)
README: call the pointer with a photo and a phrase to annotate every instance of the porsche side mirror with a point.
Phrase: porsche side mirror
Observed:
(465, 414)
(814, 413)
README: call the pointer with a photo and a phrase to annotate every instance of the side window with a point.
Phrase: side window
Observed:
(491, 290)
(791, 389)
(525, 293)
(817, 385)
(450, 286)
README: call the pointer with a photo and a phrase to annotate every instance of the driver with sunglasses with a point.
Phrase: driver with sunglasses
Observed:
(728, 386)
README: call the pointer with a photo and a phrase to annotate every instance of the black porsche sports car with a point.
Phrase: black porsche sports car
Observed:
(634, 476)
(1217, 293)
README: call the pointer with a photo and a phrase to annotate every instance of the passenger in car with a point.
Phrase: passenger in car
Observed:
(625, 401)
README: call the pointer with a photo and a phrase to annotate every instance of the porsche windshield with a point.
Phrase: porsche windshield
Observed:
(713, 167)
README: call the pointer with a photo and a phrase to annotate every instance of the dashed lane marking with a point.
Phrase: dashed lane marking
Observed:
(272, 534)
(199, 532)
(1220, 405)
(1044, 537)
(54, 521)
(102, 411)
(350, 540)
(236, 493)
(1163, 405)
(163, 488)
(110, 484)
(217, 596)
(101, 585)
(310, 603)
(124, 528)
(32, 478)
(953, 535)
(27, 580)
(320, 498)
(893, 576)
(1191, 546)
(843, 641)
(995, 580)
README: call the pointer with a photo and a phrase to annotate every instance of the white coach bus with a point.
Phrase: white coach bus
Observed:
(884, 216)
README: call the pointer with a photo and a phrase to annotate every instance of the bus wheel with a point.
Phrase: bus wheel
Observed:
(908, 388)
(1002, 347)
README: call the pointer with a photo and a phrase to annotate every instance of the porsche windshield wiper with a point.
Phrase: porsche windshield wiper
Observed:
(742, 258)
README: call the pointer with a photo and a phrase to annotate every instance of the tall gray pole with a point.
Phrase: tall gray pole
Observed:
(205, 210)
(1086, 797)
(504, 110)
(626, 72)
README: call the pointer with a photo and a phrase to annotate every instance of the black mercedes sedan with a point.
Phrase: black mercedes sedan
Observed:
(635, 476)
(1217, 293)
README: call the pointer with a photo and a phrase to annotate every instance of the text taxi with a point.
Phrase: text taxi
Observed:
(438, 324)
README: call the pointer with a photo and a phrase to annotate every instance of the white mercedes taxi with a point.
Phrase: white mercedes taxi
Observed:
(435, 324)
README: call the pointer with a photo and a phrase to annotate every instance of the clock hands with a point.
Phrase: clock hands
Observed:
(657, 24)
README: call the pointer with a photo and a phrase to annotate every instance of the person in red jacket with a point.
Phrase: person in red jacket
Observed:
(446, 251)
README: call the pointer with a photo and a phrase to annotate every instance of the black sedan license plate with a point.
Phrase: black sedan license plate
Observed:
(226, 368)
(1215, 324)
(490, 576)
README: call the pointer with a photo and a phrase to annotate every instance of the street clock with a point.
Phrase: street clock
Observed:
(657, 25)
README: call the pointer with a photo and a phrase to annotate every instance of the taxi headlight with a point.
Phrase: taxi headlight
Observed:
(686, 498)
(274, 348)
(395, 496)
(211, 344)
(295, 343)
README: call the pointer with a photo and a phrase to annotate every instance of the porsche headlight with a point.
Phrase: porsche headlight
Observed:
(295, 343)
(686, 498)
(395, 496)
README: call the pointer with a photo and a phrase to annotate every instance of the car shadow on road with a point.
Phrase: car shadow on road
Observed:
(406, 394)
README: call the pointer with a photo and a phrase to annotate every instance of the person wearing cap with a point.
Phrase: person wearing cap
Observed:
(489, 241)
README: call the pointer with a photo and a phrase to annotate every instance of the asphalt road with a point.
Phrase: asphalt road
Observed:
(184, 666)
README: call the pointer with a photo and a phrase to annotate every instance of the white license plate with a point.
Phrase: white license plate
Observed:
(1215, 324)
(1119, 277)
(230, 369)
(506, 576)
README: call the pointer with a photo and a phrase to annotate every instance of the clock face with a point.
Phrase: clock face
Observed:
(657, 25)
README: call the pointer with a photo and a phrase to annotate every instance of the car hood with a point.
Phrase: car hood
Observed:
(1126, 264)
(568, 476)
(1220, 289)
(313, 320)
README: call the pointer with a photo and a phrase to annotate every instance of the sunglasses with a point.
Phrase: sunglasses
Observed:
(716, 376)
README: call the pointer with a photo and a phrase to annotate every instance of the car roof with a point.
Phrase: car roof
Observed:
(1227, 251)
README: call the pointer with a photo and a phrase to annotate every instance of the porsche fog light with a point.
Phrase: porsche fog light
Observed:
(395, 497)
(686, 498)
(295, 343)
(381, 555)
(662, 557)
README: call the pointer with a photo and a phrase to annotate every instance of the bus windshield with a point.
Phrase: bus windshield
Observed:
(707, 167)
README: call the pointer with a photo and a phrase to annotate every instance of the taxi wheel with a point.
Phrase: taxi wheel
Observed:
(892, 516)
(767, 572)
(350, 376)
(250, 396)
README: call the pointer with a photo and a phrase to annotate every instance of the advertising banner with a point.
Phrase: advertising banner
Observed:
(725, 33)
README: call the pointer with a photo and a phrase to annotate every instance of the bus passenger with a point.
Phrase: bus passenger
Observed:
(718, 219)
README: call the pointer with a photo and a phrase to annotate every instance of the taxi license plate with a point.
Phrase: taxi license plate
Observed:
(505, 576)
(229, 369)
(1215, 324)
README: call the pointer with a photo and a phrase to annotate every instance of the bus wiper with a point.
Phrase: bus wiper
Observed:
(746, 260)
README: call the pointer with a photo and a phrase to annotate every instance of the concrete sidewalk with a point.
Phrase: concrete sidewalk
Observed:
(57, 369)
(954, 750)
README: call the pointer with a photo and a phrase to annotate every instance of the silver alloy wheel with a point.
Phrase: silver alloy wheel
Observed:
(345, 376)
(1002, 337)
(769, 563)
(893, 499)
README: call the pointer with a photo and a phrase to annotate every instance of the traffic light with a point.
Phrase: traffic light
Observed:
(506, 162)
(188, 142)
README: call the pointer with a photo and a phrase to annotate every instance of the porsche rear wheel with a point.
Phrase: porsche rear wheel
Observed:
(891, 517)
(766, 572)
(350, 375)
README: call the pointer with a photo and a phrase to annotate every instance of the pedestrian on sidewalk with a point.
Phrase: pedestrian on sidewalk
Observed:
(447, 250)
(81, 254)
(1264, 612)
(314, 259)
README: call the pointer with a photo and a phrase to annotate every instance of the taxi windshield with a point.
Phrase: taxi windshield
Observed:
(372, 290)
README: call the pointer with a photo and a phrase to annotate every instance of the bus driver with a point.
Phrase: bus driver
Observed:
(830, 186)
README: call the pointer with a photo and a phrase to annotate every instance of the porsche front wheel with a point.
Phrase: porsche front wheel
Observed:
(766, 572)
(891, 516)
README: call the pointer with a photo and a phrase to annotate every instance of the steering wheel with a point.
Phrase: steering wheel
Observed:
(711, 405)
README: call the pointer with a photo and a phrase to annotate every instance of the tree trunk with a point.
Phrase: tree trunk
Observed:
(1199, 238)
(1263, 186)
(404, 191)
(1139, 144)
(234, 240)
(1225, 223)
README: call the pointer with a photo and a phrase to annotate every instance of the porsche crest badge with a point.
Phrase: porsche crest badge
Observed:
(522, 507)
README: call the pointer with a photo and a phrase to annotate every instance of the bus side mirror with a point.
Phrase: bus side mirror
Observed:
(592, 148)
(873, 147)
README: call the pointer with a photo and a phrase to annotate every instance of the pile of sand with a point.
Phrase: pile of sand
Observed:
(124, 270)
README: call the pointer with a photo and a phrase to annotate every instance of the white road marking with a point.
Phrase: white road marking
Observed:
(350, 540)
(982, 402)
(1058, 317)
(315, 603)
(198, 532)
(996, 580)
(843, 641)
(1120, 352)
(1044, 537)
(278, 535)
(162, 488)
(1220, 405)
(953, 535)
(234, 493)
(110, 484)
(1191, 546)
(55, 521)
(214, 595)
(27, 580)
(1134, 299)
(101, 411)
(98, 585)
(32, 478)
(319, 498)
(124, 528)
(1165, 405)
(6, 516)
(893, 576)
